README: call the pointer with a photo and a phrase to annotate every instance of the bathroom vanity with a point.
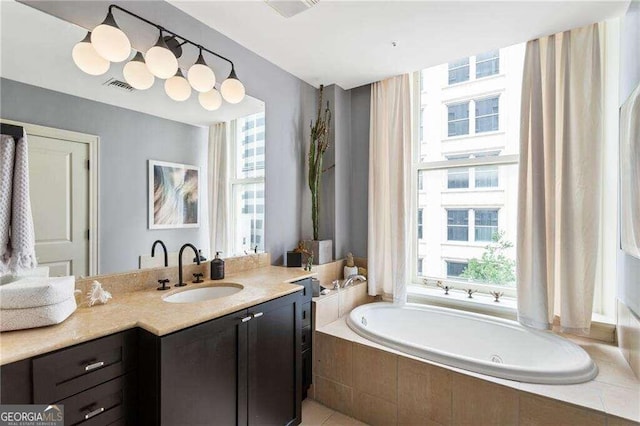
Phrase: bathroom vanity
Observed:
(244, 367)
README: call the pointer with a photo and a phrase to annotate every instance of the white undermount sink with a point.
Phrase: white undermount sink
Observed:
(201, 294)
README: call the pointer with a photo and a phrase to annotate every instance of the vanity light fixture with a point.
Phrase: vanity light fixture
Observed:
(232, 88)
(200, 76)
(87, 59)
(108, 43)
(211, 100)
(160, 60)
(177, 87)
(137, 74)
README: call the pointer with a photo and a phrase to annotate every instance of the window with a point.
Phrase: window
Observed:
(486, 224)
(487, 114)
(486, 177)
(458, 119)
(458, 178)
(455, 269)
(459, 71)
(466, 190)
(247, 183)
(488, 63)
(457, 225)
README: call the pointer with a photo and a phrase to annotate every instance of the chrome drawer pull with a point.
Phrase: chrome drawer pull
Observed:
(258, 314)
(94, 366)
(93, 413)
(245, 319)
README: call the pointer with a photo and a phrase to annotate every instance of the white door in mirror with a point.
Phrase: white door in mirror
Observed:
(203, 293)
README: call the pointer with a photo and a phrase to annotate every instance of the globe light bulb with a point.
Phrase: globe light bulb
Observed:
(110, 41)
(87, 59)
(211, 100)
(232, 89)
(200, 76)
(137, 74)
(177, 87)
(161, 61)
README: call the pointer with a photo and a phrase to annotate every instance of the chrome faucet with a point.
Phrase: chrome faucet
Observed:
(153, 251)
(349, 281)
(195, 251)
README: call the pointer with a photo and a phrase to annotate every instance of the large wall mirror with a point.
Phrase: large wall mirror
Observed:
(114, 169)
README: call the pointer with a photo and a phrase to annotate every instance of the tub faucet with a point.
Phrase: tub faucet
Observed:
(349, 281)
(195, 251)
(164, 248)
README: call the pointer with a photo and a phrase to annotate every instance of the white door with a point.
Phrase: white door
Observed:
(59, 189)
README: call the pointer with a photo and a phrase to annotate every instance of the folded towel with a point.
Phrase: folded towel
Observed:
(33, 292)
(23, 241)
(7, 152)
(19, 319)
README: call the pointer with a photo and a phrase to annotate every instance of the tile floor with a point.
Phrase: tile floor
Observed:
(316, 414)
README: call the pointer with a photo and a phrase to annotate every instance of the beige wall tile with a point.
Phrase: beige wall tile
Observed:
(325, 310)
(424, 393)
(476, 402)
(375, 372)
(622, 401)
(535, 410)
(617, 421)
(334, 395)
(374, 411)
(333, 358)
(629, 337)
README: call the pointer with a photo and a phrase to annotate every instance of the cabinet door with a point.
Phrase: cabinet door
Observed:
(203, 374)
(275, 378)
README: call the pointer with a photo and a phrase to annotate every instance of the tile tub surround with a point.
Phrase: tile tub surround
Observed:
(629, 336)
(328, 308)
(382, 386)
(145, 308)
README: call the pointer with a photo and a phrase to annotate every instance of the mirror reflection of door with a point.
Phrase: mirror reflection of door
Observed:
(59, 179)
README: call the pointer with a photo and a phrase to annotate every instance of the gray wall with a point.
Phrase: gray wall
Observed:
(629, 267)
(359, 178)
(127, 140)
(343, 243)
(290, 105)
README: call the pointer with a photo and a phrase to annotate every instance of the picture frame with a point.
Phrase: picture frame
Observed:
(630, 174)
(174, 195)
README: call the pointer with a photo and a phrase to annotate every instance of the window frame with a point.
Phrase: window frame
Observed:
(235, 183)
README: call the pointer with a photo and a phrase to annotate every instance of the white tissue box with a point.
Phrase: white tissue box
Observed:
(19, 319)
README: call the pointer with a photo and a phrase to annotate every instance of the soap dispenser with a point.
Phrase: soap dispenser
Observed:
(217, 267)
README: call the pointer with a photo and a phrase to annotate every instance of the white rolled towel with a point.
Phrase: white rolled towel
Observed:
(20, 319)
(33, 292)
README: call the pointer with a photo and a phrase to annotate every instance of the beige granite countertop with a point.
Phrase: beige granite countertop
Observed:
(146, 309)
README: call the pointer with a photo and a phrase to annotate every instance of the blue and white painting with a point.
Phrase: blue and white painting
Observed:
(173, 195)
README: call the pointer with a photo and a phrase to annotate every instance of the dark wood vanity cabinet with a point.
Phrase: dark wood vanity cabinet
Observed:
(307, 335)
(241, 369)
(96, 381)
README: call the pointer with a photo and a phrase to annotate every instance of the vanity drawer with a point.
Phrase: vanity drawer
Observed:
(306, 338)
(72, 370)
(306, 314)
(105, 404)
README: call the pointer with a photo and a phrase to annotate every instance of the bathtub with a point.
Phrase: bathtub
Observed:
(474, 342)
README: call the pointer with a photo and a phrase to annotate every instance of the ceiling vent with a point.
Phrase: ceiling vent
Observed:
(118, 84)
(289, 8)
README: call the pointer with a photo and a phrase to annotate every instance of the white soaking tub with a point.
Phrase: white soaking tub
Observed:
(474, 342)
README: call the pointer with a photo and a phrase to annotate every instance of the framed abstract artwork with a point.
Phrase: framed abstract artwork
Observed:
(174, 195)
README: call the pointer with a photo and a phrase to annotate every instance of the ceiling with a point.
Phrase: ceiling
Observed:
(349, 43)
(36, 49)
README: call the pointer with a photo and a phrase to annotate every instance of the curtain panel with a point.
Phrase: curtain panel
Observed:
(218, 184)
(390, 207)
(560, 180)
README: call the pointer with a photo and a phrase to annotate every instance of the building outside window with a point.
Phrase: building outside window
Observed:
(466, 191)
(247, 183)
(487, 63)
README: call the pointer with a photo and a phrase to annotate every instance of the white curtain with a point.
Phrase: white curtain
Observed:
(560, 180)
(390, 211)
(218, 180)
